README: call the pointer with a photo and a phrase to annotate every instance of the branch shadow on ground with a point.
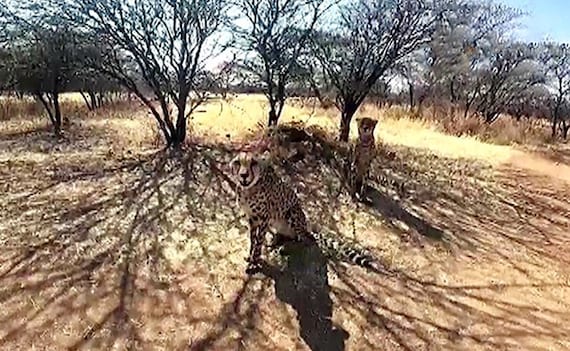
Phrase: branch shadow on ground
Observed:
(149, 253)
(477, 213)
(88, 263)
(301, 282)
(389, 209)
(321, 152)
(88, 260)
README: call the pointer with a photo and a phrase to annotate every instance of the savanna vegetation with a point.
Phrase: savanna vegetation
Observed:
(119, 229)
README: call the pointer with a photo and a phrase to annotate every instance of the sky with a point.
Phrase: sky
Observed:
(547, 19)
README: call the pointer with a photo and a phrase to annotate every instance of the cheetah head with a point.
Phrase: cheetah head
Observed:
(245, 168)
(366, 126)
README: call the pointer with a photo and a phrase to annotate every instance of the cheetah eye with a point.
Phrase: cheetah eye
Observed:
(234, 166)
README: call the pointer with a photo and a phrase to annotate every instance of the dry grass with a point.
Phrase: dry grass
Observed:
(109, 249)
(504, 131)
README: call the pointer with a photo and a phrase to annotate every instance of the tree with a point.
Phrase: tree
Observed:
(5, 70)
(466, 38)
(154, 46)
(410, 69)
(510, 72)
(368, 40)
(43, 56)
(556, 59)
(94, 86)
(272, 34)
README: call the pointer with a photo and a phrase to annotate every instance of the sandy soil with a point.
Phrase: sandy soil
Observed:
(104, 249)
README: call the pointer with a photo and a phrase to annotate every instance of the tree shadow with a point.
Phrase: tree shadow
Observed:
(90, 261)
(388, 208)
(501, 324)
(506, 222)
(326, 155)
(237, 315)
(148, 252)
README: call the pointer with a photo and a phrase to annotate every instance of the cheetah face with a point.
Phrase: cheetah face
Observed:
(245, 169)
(366, 126)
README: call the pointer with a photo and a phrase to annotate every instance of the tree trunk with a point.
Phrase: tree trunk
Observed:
(276, 103)
(411, 94)
(92, 99)
(349, 109)
(491, 116)
(466, 111)
(178, 135)
(56, 114)
(554, 125)
(87, 102)
(564, 129)
(452, 92)
(556, 115)
(273, 118)
(51, 105)
(100, 98)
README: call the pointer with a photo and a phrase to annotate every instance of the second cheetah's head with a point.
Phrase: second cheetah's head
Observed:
(245, 169)
(366, 126)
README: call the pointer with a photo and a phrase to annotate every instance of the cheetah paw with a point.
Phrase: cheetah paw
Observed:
(253, 268)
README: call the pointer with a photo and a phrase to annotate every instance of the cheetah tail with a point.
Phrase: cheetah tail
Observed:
(349, 253)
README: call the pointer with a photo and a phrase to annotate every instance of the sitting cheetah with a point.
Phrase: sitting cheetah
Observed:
(357, 168)
(270, 203)
(361, 156)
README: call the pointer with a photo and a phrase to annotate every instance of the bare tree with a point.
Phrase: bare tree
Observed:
(368, 40)
(42, 56)
(511, 71)
(272, 33)
(411, 70)
(156, 46)
(556, 58)
(95, 87)
(461, 43)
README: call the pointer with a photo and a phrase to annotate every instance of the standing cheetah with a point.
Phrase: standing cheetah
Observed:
(270, 203)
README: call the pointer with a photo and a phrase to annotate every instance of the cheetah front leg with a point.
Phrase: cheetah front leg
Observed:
(365, 178)
(257, 229)
(358, 186)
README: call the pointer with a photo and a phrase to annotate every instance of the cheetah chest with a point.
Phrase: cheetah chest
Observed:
(363, 157)
(273, 210)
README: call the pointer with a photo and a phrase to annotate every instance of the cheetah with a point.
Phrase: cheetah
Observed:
(364, 151)
(357, 166)
(271, 204)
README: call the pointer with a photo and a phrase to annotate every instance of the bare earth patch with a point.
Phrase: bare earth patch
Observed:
(105, 249)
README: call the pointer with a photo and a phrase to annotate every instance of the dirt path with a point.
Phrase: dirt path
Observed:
(536, 163)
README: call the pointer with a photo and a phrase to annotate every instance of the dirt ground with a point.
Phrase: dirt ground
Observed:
(108, 247)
